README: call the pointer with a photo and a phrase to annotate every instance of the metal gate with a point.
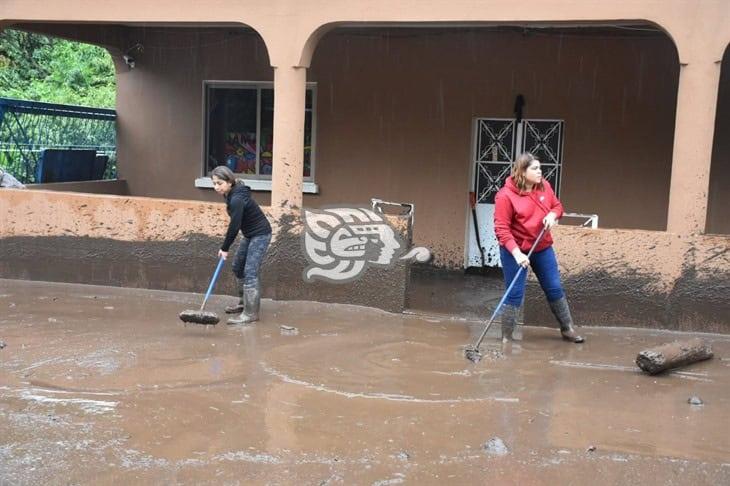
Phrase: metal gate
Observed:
(496, 144)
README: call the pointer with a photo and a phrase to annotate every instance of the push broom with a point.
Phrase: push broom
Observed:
(201, 316)
(472, 353)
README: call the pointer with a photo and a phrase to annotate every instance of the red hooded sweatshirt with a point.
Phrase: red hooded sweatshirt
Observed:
(518, 215)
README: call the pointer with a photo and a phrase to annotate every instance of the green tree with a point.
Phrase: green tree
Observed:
(39, 68)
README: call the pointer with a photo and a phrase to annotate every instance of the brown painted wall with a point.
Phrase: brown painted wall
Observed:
(395, 110)
(700, 29)
(718, 198)
(160, 105)
(395, 113)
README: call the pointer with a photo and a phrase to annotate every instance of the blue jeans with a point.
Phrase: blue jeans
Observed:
(248, 259)
(545, 266)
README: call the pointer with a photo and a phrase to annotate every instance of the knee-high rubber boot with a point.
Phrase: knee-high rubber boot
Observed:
(235, 309)
(510, 314)
(561, 311)
(251, 305)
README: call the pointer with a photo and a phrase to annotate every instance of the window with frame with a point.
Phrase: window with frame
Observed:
(239, 128)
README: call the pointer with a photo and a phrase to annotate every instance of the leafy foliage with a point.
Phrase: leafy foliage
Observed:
(39, 68)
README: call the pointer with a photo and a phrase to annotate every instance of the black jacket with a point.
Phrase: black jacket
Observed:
(245, 214)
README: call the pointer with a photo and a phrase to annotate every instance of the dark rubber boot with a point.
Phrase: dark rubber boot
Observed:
(235, 309)
(251, 305)
(509, 317)
(561, 311)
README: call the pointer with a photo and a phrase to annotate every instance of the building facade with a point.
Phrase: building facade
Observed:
(321, 103)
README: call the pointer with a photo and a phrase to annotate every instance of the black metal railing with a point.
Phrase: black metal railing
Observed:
(28, 128)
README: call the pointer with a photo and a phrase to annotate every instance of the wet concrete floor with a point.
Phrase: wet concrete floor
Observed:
(105, 385)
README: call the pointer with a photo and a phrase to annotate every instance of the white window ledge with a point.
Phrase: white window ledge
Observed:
(256, 185)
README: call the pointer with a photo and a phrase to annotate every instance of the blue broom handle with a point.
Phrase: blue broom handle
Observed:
(506, 293)
(519, 272)
(221, 261)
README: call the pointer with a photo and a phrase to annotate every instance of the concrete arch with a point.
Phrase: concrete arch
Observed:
(164, 93)
(56, 29)
(309, 46)
(671, 19)
(693, 44)
(418, 74)
(290, 38)
(717, 199)
(668, 32)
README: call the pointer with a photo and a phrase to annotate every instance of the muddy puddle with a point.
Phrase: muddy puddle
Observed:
(105, 385)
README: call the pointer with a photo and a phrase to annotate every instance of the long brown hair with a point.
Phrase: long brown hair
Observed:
(519, 167)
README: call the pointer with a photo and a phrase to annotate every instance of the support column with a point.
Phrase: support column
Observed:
(693, 135)
(288, 154)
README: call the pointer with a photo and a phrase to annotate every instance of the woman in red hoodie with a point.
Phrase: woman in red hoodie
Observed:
(523, 207)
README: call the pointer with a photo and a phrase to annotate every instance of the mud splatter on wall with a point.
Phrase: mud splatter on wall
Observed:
(161, 244)
(642, 278)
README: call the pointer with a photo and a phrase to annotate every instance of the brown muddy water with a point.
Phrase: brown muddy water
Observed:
(105, 385)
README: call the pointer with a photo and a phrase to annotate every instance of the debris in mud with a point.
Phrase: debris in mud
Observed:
(496, 447)
(673, 355)
(495, 354)
(476, 355)
(403, 456)
(492, 354)
(2, 344)
(473, 355)
(591, 448)
(331, 480)
(695, 400)
(398, 479)
(289, 330)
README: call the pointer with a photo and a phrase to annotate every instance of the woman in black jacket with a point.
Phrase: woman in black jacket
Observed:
(246, 217)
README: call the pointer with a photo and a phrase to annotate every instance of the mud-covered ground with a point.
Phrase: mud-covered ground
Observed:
(104, 385)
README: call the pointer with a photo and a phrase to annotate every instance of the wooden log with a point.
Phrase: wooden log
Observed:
(673, 355)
